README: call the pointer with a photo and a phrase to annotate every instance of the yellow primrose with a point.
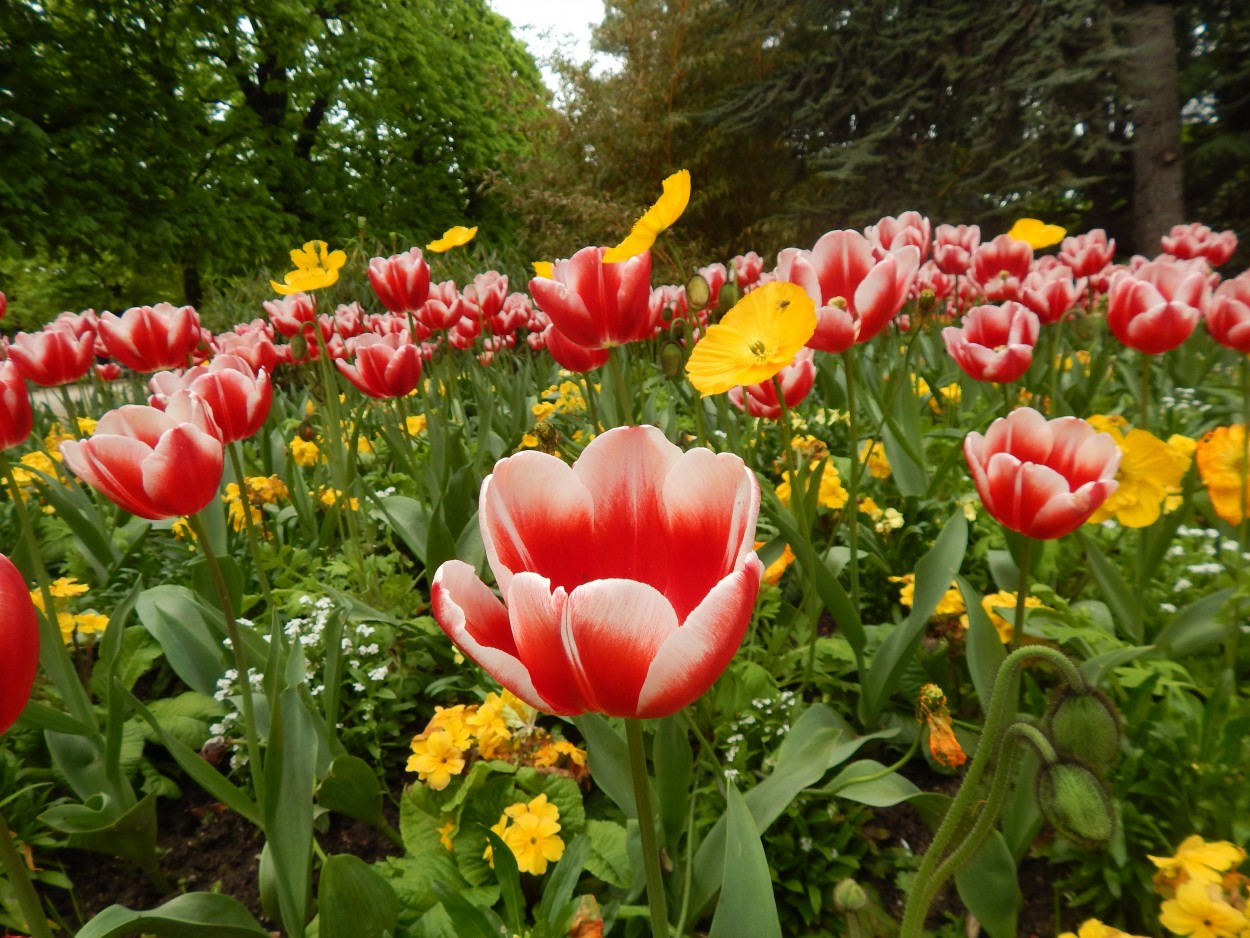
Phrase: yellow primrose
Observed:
(662, 214)
(1037, 233)
(1092, 928)
(1200, 860)
(755, 340)
(1200, 910)
(1005, 602)
(415, 424)
(533, 835)
(315, 267)
(67, 586)
(872, 454)
(304, 452)
(84, 623)
(832, 493)
(452, 238)
(435, 759)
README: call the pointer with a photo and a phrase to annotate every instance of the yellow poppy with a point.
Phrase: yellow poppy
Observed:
(544, 269)
(1222, 465)
(1038, 234)
(666, 210)
(1149, 476)
(755, 339)
(315, 267)
(452, 238)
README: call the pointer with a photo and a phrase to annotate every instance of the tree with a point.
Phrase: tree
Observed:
(211, 138)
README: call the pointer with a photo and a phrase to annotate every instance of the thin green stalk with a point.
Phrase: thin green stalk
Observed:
(240, 656)
(656, 899)
(623, 401)
(1022, 593)
(1145, 391)
(882, 773)
(19, 881)
(1056, 365)
(852, 488)
(253, 538)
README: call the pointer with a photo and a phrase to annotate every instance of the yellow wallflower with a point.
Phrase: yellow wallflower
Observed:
(1197, 859)
(86, 426)
(1150, 472)
(832, 494)
(452, 238)
(774, 571)
(1199, 910)
(543, 409)
(453, 722)
(755, 340)
(181, 529)
(38, 461)
(1222, 464)
(951, 603)
(315, 267)
(1004, 603)
(55, 436)
(84, 623)
(305, 452)
(872, 454)
(1092, 928)
(269, 489)
(529, 441)
(488, 723)
(329, 497)
(415, 424)
(435, 759)
(1038, 234)
(666, 210)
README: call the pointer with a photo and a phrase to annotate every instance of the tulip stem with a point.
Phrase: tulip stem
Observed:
(656, 898)
(253, 539)
(240, 656)
(623, 402)
(19, 879)
(1022, 592)
(1145, 391)
(852, 487)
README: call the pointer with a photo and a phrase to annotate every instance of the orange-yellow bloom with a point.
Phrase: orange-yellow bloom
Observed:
(544, 269)
(755, 339)
(315, 267)
(452, 238)
(1225, 472)
(1149, 476)
(662, 214)
(931, 709)
(1200, 860)
(1200, 910)
(1036, 233)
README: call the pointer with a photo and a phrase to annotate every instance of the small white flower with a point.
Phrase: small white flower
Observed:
(378, 673)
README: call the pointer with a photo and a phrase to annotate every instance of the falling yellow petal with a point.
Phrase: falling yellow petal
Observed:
(452, 238)
(1038, 234)
(662, 214)
(755, 340)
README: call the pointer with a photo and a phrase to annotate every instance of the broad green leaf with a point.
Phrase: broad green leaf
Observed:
(410, 519)
(194, 915)
(747, 905)
(880, 792)
(1197, 626)
(105, 827)
(989, 887)
(609, 857)
(289, 775)
(180, 623)
(509, 879)
(674, 763)
(1124, 602)
(186, 717)
(351, 788)
(355, 902)
(608, 759)
(984, 646)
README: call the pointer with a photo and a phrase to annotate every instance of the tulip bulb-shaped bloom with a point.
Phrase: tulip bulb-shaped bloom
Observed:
(1228, 315)
(1156, 307)
(1194, 240)
(238, 398)
(385, 366)
(53, 357)
(151, 338)
(401, 281)
(953, 246)
(994, 343)
(16, 417)
(19, 643)
(1087, 254)
(154, 464)
(568, 354)
(598, 304)
(628, 579)
(796, 380)
(1042, 478)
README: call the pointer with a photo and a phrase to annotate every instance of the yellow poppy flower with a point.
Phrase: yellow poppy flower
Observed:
(1038, 234)
(1200, 860)
(662, 214)
(315, 267)
(1149, 476)
(755, 339)
(452, 238)
(1222, 464)
(544, 269)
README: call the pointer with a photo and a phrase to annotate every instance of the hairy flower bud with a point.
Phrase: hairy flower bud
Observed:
(849, 896)
(671, 359)
(1084, 725)
(698, 292)
(1074, 802)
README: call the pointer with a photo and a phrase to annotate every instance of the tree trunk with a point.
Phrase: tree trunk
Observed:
(192, 286)
(1151, 73)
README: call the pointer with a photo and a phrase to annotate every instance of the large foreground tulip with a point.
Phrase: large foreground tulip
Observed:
(628, 579)
(154, 464)
(19, 643)
(1042, 478)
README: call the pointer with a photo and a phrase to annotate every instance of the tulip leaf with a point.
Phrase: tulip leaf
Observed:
(934, 574)
(1124, 602)
(193, 915)
(355, 901)
(553, 906)
(351, 788)
(287, 809)
(193, 648)
(989, 887)
(409, 519)
(1197, 626)
(608, 759)
(983, 645)
(470, 921)
(509, 879)
(674, 764)
(747, 905)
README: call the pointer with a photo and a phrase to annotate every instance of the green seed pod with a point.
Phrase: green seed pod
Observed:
(698, 292)
(1084, 725)
(671, 359)
(1073, 801)
(849, 896)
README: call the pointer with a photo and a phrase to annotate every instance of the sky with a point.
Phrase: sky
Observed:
(544, 25)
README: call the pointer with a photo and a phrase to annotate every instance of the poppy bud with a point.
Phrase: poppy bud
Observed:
(299, 346)
(1084, 725)
(1085, 328)
(849, 896)
(671, 359)
(698, 292)
(1073, 801)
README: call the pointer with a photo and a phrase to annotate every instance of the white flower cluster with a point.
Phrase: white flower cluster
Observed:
(1185, 399)
(773, 716)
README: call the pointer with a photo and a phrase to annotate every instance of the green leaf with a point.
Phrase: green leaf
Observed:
(984, 646)
(470, 921)
(186, 717)
(608, 759)
(180, 623)
(355, 902)
(137, 651)
(558, 891)
(934, 574)
(609, 856)
(351, 788)
(562, 792)
(509, 879)
(194, 915)
(747, 905)
(880, 792)
(1196, 627)
(674, 766)
(1124, 602)
(989, 887)
(288, 816)
(410, 520)
(105, 827)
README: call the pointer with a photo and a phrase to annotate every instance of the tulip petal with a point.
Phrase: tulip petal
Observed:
(690, 659)
(183, 473)
(536, 515)
(114, 465)
(1080, 454)
(475, 619)
(711, 499)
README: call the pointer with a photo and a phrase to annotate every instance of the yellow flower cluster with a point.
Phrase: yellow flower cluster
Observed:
(872, 454)
(305, 452)
(1005, 602)
(415, 424)
(261, 490)
(563, 398)
(1203, 895)
(832, 494)
(328, 497)
(884, 520)
(1149, 477)
(948, 393)
(1225, 472)
(63, 589)
(532, 832)
(951, 603)
(1093, 928)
